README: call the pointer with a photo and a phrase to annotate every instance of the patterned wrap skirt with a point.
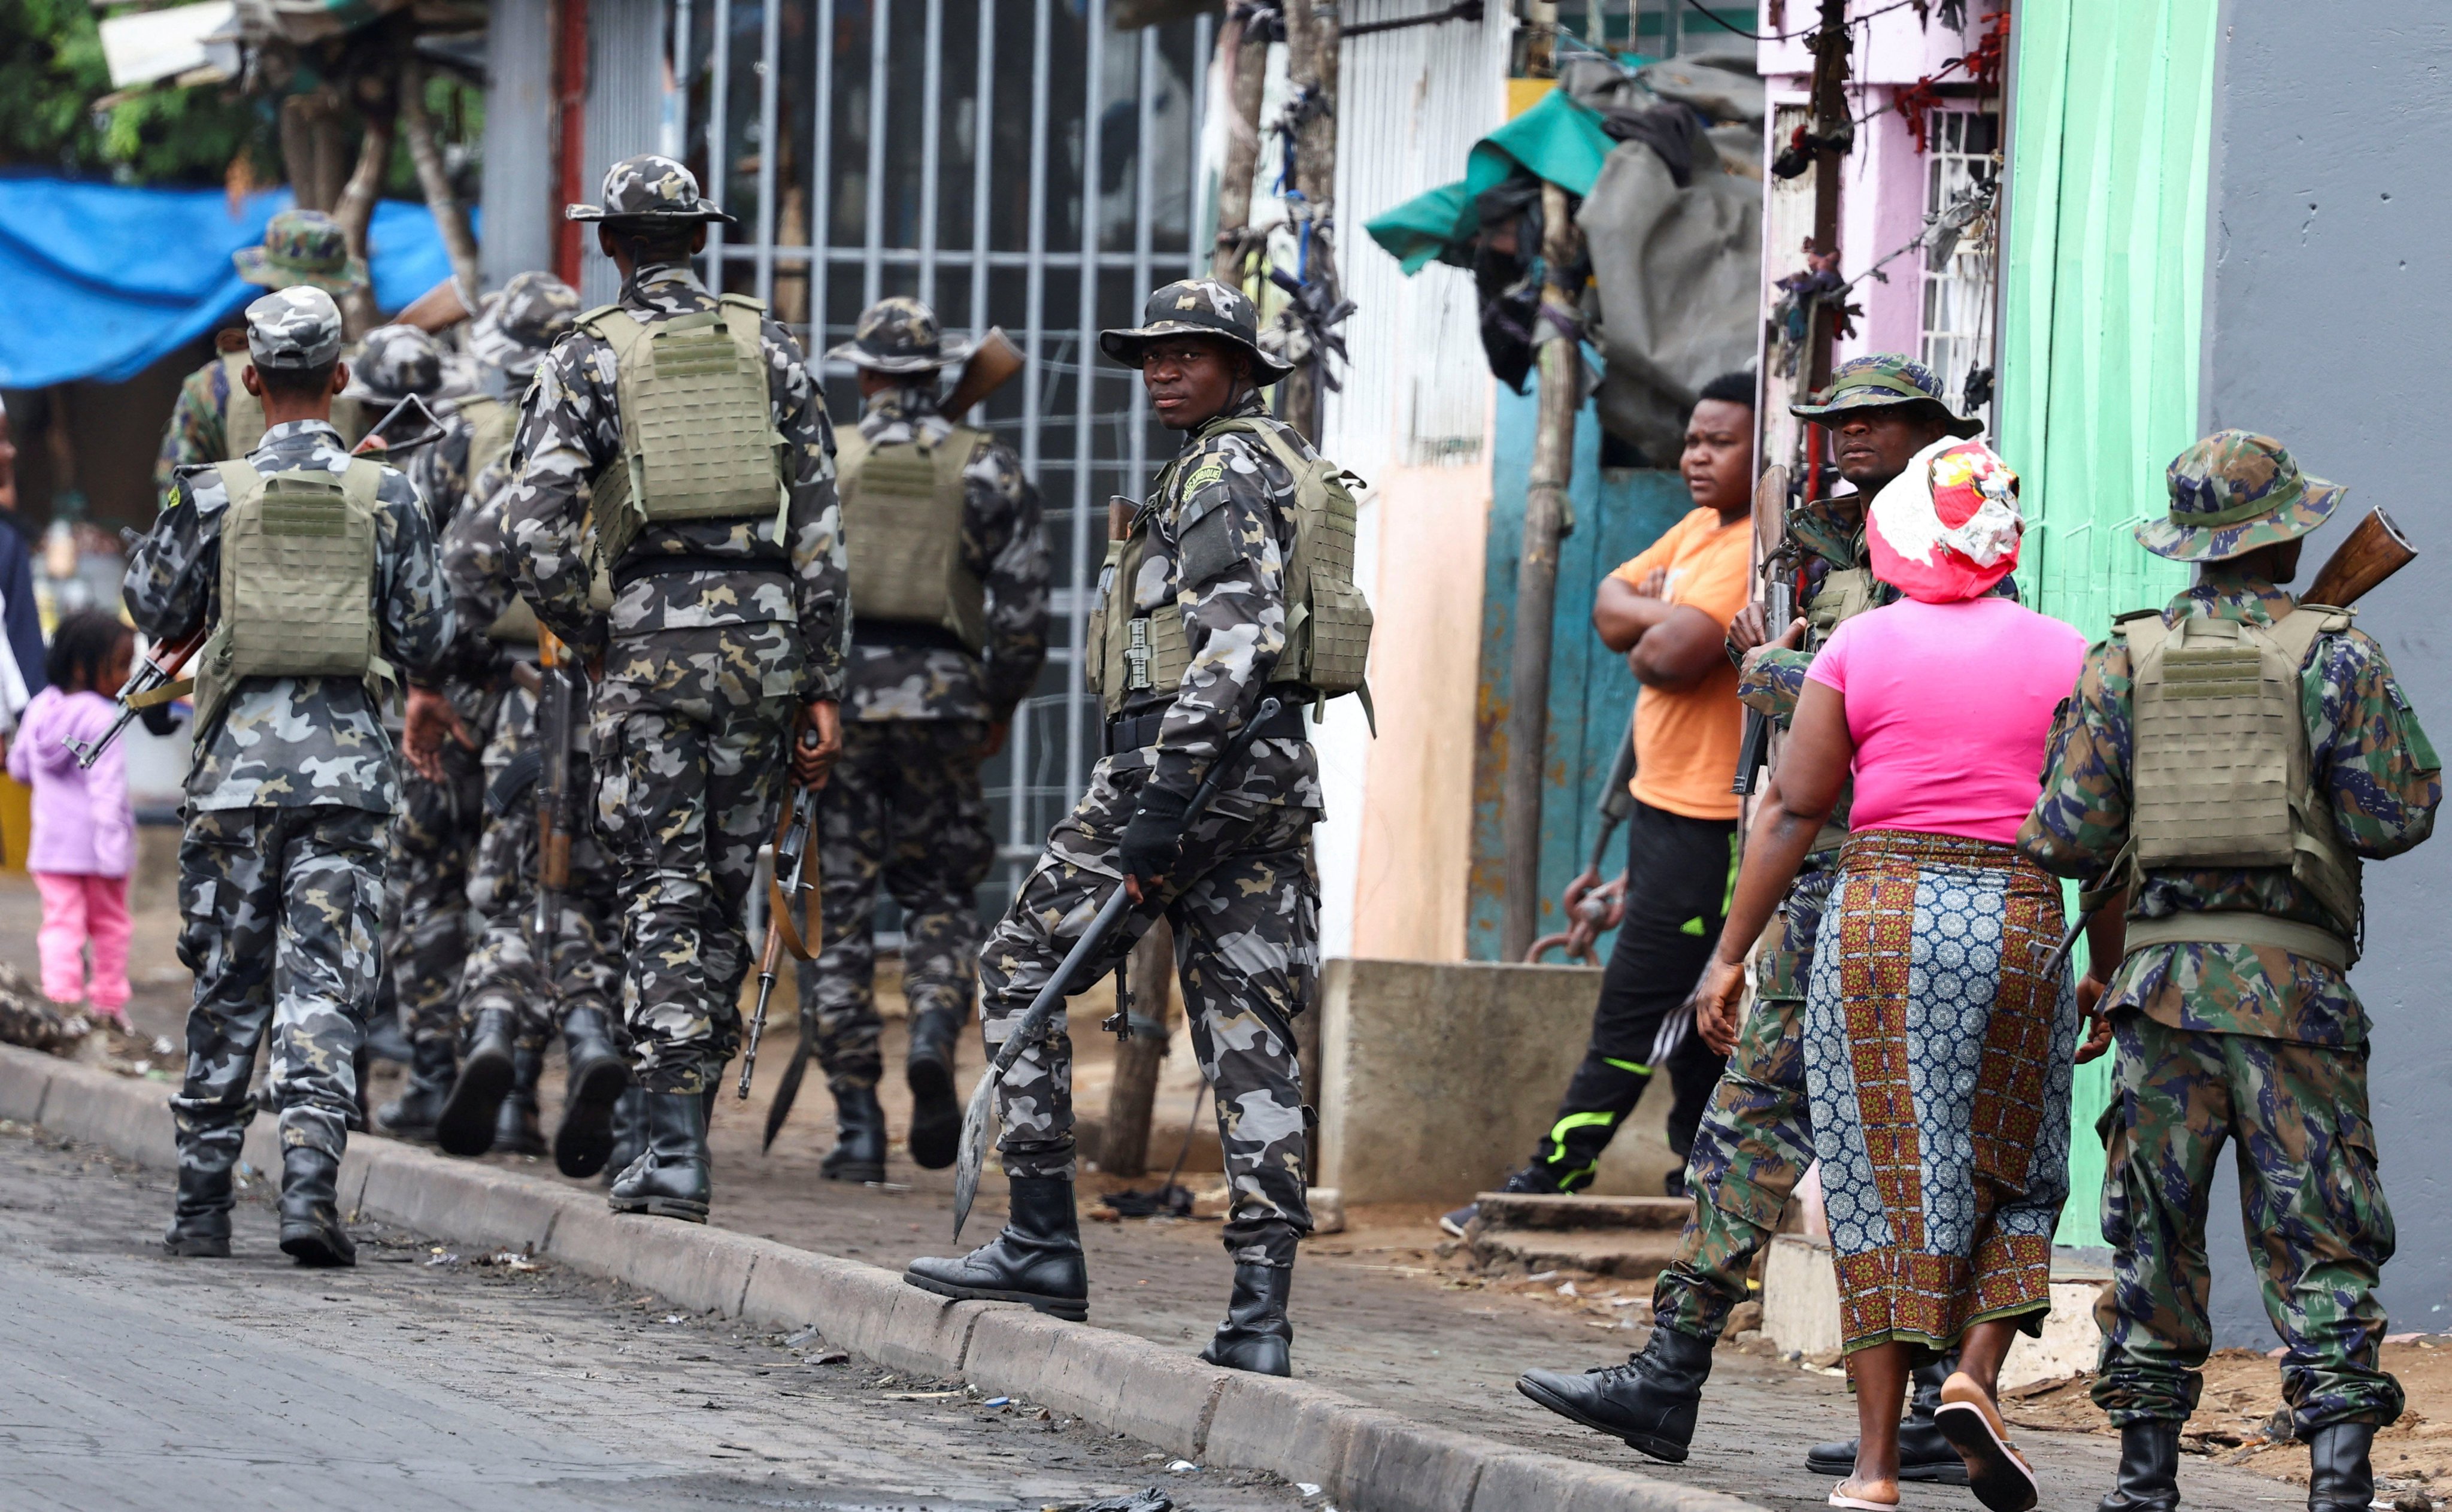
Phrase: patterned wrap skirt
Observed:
(1937, 1065)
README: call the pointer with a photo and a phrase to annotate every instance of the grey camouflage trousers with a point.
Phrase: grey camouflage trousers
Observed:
(282, 909)
(690, 770)
(1244, 903)
(903, 808)
(425, 937)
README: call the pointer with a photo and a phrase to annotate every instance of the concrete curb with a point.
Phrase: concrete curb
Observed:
(1370, 1460)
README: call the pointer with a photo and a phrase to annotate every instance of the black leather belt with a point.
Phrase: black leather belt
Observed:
(1139, 730)
(659, 563)
(905, 635)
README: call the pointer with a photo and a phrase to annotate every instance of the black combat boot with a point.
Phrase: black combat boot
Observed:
(1036, 1260)
(1256, 1335)
(2338, 1477)
(514, 1126)
(200, 1221)
(2149, 1469)
(486, 1072)
(388, 1041)
(310, 1209)
(858, 1154)
(670, 1180)
(413, 1114)
(1649, 1402)
(629, 1132)
(936, 1112)
(1924, 1454)
(583, 1142)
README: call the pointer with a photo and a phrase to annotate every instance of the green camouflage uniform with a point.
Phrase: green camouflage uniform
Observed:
(280, 870)
(904, 805)
(2257, 1045)
(706, 667)
(300, 247)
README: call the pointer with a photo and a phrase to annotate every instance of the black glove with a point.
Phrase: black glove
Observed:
(1154, 836)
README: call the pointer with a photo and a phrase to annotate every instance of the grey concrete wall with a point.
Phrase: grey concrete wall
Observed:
(519, 125)
(2327, 321)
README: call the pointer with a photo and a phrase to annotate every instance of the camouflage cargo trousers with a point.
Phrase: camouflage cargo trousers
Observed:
(1756, 1138)
(2317, 1222)
(689, 769)
(281, 908)
(1244, 904)
(426, 910)
(581, 969)
(903, 808)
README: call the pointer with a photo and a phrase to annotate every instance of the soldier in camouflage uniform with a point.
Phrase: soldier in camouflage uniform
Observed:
(301, 248)
(925, 702)
(2219, 1040)
(1239, 888)
(291, 786)
(725, 635)
(1755, 1140)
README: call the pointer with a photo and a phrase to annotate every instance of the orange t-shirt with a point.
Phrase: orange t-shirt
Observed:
(1686, 741)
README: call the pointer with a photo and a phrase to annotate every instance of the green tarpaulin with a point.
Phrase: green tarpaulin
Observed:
(1558, 140)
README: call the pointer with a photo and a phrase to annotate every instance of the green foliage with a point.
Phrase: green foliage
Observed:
(51, 73)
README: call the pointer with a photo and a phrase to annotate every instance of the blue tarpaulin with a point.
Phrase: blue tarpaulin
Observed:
(103, 280)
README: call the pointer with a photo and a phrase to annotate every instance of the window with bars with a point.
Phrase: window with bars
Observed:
(1013, 163)
(1959, 288)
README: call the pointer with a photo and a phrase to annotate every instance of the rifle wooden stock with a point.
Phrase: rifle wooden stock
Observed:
(2374, 550)
(992, 364)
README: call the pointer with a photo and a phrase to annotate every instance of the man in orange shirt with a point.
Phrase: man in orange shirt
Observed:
(1669, 610)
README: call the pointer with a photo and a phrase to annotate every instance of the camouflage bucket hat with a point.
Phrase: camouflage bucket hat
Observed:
(1196, 306)
(392, 362)
(294, 328)
(899, 335)
(2232, 492)
(1877, 382)
(519, 325)
(649, 188)
(302, 246)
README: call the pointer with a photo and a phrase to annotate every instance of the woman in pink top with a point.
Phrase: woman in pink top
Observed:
(85, 833)
(1937, 1056)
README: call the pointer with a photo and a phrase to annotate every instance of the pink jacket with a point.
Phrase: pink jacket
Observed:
(83, 824)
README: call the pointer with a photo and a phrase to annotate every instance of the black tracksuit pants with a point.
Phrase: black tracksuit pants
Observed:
(1680, 873)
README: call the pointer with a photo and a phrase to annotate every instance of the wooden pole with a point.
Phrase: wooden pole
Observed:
(1831, 125)
(377, 107)
(1313, 46)
(1536, 586)
(449, 217)
(1123, 1142)
(1248, 65)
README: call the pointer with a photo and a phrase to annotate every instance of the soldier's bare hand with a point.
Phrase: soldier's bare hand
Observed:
(1714, 1001)
(1745, 631)
(2098, 1035)
(818, 744)
(429, 719)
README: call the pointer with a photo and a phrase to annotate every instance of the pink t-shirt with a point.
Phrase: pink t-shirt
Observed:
(1949, 705)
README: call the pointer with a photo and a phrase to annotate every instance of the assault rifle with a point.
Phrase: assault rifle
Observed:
(1778, 600)
(557, 790)
(792, 835)
(2374, 550)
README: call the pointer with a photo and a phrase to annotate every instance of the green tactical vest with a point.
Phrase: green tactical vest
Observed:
(698, 439)
(1328, 621)
(297, 583)
(242, 426)
(2225, 776)
(490, 426)
(903, 529)
(1845, 593)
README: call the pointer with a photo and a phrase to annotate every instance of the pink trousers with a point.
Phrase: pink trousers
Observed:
(77, 910)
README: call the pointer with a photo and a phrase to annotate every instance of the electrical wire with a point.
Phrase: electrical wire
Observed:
(1707, 14)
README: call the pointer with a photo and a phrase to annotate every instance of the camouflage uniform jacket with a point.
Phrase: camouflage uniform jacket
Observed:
(199, 426)
(1219, 540)
(469, 674)
(287, 742)
(1002, 547)
(570, 429)
(2375, 762)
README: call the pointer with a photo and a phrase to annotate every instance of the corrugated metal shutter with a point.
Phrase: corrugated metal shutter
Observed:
(625, 106)
(519, 117)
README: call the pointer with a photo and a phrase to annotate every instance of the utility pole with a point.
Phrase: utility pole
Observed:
(1546, 516)
(1244, 41)
(1834, 133)
(1313, 48)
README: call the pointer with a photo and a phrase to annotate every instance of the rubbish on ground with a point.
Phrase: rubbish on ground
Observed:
(1171, 1200)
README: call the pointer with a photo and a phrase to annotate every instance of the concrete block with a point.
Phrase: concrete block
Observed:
(790, 1288)
(919, 1331)
(24, 1076)
(689, 1264)
(1119, 1382)
(1391, 1464)
(456, 1200)
(1295, 1431)
(1801, 1296)
(1547, 1483)
(1490, 1046)
(128, 1116)
(2072, 1340)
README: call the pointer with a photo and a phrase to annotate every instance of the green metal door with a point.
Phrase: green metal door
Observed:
(2108, 165)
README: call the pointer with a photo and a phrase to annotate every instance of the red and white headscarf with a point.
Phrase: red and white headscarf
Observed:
(1948, 527)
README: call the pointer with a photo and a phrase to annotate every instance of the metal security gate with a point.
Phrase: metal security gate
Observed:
(1015, 163)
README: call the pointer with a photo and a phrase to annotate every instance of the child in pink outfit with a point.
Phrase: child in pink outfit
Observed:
(85, 832)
